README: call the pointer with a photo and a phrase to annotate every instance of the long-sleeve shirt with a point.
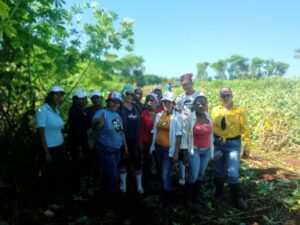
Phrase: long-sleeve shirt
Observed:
(236, 124)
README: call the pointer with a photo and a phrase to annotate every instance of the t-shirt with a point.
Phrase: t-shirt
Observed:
(185, 102)
(163, 128)
(202, 134)
(52, 123)
(110, 134)
(132, 118)
(90, 111)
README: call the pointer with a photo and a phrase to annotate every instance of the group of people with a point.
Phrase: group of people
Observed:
(127, 137)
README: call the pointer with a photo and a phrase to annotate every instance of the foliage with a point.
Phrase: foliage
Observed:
(237, 66)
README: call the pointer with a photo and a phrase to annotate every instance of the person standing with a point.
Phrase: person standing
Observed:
(96, 98)
(145, 140)
(184, 105)
(49, 125)
(131, 122)
(110, 138)
(197, 138)
(167, 131)
(138, 95)
(231, 130)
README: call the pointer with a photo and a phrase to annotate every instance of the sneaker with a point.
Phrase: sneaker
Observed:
(181, 181)
(141, 190)
(49, 213)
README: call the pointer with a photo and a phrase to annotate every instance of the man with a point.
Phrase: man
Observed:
(184, 105)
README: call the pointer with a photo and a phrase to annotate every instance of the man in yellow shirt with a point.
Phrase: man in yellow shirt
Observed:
(231, 129)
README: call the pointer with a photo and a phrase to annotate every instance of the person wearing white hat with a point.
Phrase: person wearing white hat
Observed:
(78, 124)
(49, 125)
(167, 131)
(96, 98)
(183, 105)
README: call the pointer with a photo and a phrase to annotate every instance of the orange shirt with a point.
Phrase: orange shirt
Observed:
(163, 127)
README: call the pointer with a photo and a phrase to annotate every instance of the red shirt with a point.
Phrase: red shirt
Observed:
(146, 127)
(202, 134)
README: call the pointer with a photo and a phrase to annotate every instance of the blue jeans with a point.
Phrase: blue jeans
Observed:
(109, 159)
(198, 164)
(227, 160)
(165, 164)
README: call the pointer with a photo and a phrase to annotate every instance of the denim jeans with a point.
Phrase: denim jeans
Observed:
(109, 159)
(165, 163)
(197, 164)
(227, 159)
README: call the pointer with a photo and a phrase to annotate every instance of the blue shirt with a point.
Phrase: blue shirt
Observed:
(110, 134)
(52, 123)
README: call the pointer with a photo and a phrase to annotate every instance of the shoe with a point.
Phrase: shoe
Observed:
(141, 191)
(79, 197)
(181, 181)
(49, 213)
(55, 207)
(237, 197)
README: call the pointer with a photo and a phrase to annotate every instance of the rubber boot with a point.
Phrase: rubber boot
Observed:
(219, 192)
(237, 197)
(123, 179)
(138, 178)
(197, 193)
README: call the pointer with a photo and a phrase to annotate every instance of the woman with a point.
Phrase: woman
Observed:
(49, 125)
(197, 138)
(147, 121)
(230, 130)
(167, 132)
(110, 138)
(79, 123)
(131, 119)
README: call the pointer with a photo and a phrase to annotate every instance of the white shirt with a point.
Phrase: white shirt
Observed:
(52, 123)
(185, 102)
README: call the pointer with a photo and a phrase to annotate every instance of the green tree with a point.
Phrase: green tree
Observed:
(297, 54)
(237, 67)
(220, 67)
(256, 67)
(202, 71)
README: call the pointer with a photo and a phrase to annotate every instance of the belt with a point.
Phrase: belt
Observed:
(233, 138)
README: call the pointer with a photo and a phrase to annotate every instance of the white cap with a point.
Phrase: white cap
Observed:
(80, 93)
(169, 96)
(114, 96)
(57, 89)
(201, 94)
(96, 93)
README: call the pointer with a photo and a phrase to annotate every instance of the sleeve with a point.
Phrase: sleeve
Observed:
(178, 102)
(40, 118)
(245, 130)
(186, 123)
(178, 128)
(142, 129)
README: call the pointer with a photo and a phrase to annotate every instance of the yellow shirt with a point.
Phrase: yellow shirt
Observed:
(163, 128)
(236, 124)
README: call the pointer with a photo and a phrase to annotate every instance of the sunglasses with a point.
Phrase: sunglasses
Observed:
(226, 96)
(129, 94)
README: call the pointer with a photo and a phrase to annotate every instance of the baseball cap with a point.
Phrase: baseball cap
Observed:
(114, 96)
(127, 88)
(80, 93)
(225, 91)
(96, 93)
(57, 89)
(169, 96)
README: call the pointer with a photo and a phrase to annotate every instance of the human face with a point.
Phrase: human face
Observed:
(139, 95)
(128, 97)
(96, 100)
(82, 102)
(150, 102)
(57, 98)
(114, 105)
(226, 99)
(168, 106)
(200, 105)
(187, 86)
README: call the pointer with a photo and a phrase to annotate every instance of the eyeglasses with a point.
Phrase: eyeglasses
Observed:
(226, 96)
(128, 94)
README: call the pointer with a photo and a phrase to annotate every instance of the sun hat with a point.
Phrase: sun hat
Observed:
(114, 96)
(96, 93)
(57, 89)
(169, 96)
(80, 93)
